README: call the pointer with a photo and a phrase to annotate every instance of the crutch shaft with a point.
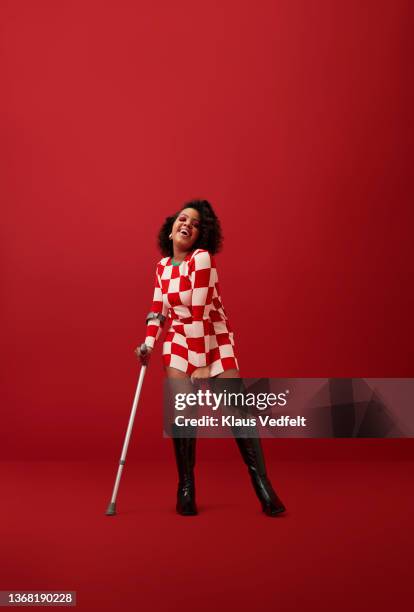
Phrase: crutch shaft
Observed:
(111, 508)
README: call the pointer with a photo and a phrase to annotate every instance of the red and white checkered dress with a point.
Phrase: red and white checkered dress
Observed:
(199, 333)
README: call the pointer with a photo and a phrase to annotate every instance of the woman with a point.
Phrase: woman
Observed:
(199, 343)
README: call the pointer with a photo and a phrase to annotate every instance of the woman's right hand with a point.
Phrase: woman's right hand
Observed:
(143, 357)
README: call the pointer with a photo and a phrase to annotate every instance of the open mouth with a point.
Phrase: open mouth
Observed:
(184, 232)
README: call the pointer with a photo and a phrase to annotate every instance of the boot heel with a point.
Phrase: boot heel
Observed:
(271, 504)
(186, 505)
(252, 453)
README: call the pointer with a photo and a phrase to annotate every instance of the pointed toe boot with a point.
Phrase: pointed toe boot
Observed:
(252, 453)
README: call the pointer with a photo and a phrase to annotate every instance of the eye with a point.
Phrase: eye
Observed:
(196, 224)
(182, 218)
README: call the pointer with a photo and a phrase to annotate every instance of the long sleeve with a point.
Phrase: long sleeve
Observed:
(154, 326)
(202, 277)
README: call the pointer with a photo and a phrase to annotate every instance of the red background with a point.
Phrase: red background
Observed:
(293, 118)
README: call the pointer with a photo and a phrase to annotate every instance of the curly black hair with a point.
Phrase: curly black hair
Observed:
(210, 238)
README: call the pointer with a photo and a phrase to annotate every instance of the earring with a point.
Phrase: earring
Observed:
(170, 236)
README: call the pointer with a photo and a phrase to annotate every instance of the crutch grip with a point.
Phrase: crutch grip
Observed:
(143, 353)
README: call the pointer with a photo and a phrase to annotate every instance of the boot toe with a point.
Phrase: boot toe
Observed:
(274, 509)
(186, 504)
(187, 511)
(187, 508)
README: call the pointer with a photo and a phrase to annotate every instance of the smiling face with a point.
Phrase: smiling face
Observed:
(186, 229)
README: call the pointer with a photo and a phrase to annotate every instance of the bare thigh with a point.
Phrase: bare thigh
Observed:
(229, 374)
(174, 373)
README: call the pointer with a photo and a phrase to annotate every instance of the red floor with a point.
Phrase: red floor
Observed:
(346, 542)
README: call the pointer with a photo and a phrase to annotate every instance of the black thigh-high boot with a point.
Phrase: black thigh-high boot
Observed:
(184, 441)
(185, 457)
(252, 453)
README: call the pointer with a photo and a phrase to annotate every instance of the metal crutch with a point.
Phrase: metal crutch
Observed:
(111, 510)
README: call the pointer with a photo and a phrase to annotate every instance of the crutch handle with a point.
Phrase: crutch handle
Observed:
(143, 352)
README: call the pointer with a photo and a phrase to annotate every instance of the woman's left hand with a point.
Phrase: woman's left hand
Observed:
(201, 372)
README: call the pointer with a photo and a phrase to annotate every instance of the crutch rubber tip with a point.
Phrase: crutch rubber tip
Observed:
(110, 511)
